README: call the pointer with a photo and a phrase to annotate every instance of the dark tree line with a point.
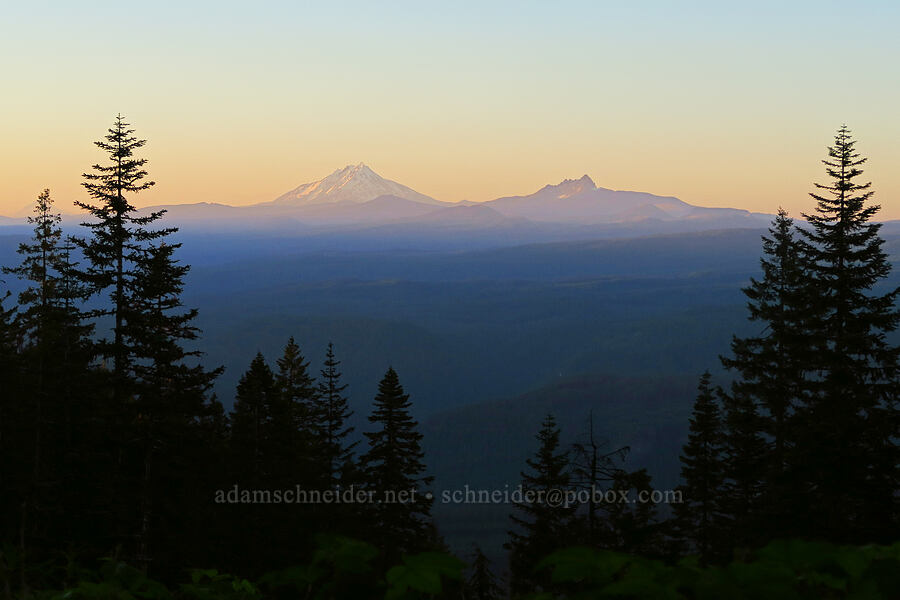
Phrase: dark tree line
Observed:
(112, 444)
(287, 431)
(580, 495)
(804, 442)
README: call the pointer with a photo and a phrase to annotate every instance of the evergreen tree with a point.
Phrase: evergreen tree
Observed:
(393, 469)
(33, 411)
(482, 583)
(49, 320)
(291, 442)
(256, 392)
(847, 452)
(330, 451)
(297, 385)
(250, 454)
(771, 365)
(54, 360)
(118, 237)
(332, 414)
(48, 302)
(170, 395)
(544, 519)
(114, 252)
(773, 370)
(697, 518)
(290, 431)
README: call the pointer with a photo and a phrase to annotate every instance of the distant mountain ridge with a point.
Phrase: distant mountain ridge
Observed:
(355, 200)
(572, 201)
(582, 201)
(578, 201)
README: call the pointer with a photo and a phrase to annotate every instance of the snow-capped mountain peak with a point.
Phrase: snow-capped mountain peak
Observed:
(570, 187)
(353, 183)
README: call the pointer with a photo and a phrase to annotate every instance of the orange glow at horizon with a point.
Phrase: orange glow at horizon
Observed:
(718, 106)
(724, 177)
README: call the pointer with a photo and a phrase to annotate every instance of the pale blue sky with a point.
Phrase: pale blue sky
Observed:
(714, 103)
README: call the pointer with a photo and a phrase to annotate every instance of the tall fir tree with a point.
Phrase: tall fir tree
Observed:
(49, 302)
(291, 422)
(256, 392)
(55, 359)
(118, 236)
(296, 383)
(332, 414)
(393, 468)
(116, 245)
(771, 365)
(331, 450)
(847, 452)
(155, 391)
(542, 521)
(697, 518)
(52, 327)
(170, 397)
(291, 441)
(250, 453)
(773, 371)
(35, 409)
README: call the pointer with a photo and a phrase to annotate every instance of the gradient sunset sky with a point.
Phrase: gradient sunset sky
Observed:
(720, 104)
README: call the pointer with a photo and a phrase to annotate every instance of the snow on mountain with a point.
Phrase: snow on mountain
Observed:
(353, 183)
(581, 201)
(356, 197)
(568, 188)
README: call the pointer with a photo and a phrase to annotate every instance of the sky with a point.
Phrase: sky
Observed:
(719, 104)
